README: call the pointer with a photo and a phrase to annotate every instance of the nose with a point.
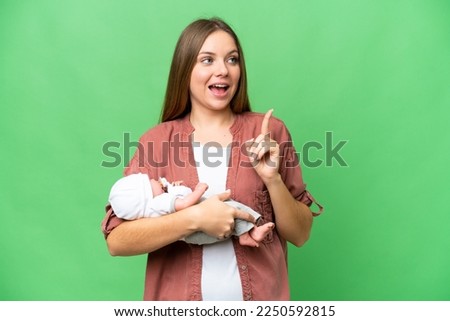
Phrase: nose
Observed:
(221, 69)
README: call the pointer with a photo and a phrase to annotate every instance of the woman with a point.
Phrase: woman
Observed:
(207, 133)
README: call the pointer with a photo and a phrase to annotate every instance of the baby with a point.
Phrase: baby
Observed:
(137, 196)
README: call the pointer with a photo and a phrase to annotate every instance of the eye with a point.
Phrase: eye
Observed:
(206, 60)
(233, 60)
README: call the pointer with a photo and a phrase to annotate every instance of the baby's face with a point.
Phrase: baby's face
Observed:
(156, 187)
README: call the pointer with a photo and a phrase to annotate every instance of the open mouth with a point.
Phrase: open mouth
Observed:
(219, 89)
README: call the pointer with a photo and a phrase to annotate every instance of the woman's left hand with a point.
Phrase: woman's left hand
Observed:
(264, 152)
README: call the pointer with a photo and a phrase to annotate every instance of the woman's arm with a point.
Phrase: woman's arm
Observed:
(293, 219)
(146, 235)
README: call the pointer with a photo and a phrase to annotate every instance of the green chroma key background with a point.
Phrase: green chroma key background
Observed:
(75, 75)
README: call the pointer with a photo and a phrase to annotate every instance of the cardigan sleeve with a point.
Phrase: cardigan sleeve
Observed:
(290, 168)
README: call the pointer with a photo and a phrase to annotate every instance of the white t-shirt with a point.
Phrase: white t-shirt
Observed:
(220, 275)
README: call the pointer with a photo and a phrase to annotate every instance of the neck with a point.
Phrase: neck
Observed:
(211, 119)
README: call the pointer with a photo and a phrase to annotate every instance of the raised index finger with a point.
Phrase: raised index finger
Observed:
(265, 123)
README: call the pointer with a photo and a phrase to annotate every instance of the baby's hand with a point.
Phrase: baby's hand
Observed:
(201, 187)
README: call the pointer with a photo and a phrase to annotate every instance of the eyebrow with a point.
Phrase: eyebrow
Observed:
(213, 54)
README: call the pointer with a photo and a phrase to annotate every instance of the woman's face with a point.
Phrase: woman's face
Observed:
(215, 76)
